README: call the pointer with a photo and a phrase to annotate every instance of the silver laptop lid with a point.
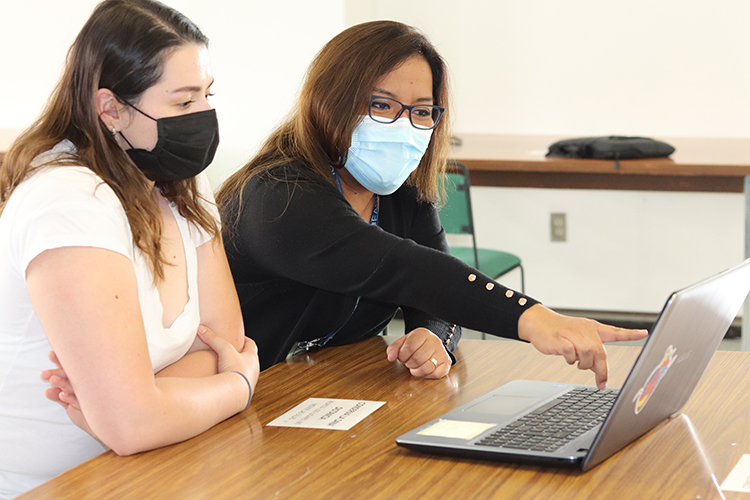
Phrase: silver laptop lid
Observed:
(685, 337)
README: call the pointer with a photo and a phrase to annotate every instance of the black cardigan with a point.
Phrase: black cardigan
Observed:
(301, 256)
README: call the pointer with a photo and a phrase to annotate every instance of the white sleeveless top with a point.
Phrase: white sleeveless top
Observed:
(62, 206)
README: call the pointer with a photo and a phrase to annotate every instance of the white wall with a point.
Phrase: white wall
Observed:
(259, 52)
(579, 67)
(653, 67)
(585, 67)
(626, 250)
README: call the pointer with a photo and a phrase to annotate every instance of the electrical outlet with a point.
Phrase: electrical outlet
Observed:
(558, 229)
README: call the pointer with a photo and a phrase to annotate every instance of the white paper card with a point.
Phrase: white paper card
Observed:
(739, 478)
(319, 413)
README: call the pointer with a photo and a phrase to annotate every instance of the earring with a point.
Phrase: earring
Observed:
(114, 130)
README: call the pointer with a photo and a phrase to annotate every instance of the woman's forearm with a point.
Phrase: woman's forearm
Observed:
(195, 364)
(178, 409)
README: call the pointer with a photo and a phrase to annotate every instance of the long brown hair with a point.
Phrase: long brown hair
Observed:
(334, 96)
(122, 47)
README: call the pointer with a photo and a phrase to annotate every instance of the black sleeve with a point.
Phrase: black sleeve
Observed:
(303, 229)
(427, 231)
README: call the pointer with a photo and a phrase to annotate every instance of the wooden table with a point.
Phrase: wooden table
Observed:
(713, 165)
(243, 458)
(698, 164)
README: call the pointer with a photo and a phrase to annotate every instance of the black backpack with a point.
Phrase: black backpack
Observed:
(610, 148)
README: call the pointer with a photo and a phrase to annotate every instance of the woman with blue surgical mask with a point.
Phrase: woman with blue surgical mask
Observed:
(333, 226)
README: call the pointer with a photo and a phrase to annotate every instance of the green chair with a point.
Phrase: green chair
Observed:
(456, 218)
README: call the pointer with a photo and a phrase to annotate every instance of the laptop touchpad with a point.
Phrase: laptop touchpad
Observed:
(503, 404)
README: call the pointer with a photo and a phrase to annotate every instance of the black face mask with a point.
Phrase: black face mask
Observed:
(185, 146)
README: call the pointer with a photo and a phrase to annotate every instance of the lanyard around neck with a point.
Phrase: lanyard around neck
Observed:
(308, 345)
(322, 341)
(375, 210)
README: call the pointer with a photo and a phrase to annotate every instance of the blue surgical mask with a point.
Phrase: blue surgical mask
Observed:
(382, 156)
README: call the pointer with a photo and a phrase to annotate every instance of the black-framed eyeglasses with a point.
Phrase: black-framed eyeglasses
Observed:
(421, 116)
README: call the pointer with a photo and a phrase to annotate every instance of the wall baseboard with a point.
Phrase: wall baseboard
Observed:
(638, 320)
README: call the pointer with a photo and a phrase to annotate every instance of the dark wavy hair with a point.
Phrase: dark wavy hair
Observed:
(122, 47)
(334, 96)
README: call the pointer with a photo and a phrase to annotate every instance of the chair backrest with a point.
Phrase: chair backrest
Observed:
(456, 216)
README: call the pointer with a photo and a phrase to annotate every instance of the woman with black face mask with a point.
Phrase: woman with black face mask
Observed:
(111, 260)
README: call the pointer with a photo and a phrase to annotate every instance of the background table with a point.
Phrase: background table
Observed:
(697, 165)
(242, 458)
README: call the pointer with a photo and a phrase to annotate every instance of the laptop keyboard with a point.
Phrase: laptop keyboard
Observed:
(556, 423)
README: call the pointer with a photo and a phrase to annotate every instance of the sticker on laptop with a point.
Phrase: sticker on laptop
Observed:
(645, 392)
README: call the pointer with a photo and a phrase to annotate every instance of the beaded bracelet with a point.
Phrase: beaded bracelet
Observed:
(249, 388)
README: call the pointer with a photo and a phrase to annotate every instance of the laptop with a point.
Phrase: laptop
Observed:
(528, 421)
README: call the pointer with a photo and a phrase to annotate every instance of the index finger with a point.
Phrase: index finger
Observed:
(56, 372)
(392, 350)
(615, 334)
